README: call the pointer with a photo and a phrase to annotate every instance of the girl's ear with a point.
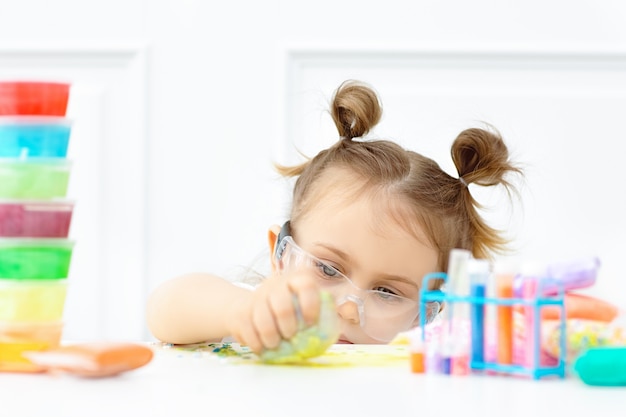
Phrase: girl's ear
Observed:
(272, 237)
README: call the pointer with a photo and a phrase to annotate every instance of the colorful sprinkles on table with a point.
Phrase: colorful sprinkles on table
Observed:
(335, 356)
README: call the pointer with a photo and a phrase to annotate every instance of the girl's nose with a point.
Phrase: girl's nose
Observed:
(348, 309)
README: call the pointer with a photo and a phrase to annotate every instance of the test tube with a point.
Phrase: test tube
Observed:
(458, 285)
(433, 356)
(460, 356)
(417, 354)
(478, 270)
(504, 291)
(530, 275)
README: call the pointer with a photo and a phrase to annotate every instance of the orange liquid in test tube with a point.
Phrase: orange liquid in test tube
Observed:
(417, 362)
(417, 357)
(504, 290)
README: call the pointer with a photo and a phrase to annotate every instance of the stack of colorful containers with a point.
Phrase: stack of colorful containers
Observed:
(35, 217)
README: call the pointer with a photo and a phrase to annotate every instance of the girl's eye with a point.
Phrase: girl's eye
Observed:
(385, 291)
(389, 297)
(327, 270)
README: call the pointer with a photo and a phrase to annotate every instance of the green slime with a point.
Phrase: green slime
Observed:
(308, 342)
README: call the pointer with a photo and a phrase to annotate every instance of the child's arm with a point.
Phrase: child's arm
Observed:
(193, 308)
(202, 307)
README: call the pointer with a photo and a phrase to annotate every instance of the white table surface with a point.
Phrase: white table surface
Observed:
(202, 384)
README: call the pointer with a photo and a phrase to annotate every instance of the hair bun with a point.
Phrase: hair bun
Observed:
(481, 157)
(355, 109)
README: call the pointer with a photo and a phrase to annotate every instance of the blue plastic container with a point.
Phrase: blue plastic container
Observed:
(34, 137)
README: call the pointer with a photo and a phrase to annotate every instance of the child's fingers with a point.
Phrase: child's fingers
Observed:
(274, 312)
(281, 303)
(307, 291)
(247, 336)
(265, 324)
(242, 327)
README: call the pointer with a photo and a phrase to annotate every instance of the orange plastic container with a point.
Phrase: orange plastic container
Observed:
(33, 98)
(19, 337)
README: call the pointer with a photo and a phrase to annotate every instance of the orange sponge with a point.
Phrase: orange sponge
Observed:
(96, 359)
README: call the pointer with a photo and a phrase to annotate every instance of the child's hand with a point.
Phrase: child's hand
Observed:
(269, 313)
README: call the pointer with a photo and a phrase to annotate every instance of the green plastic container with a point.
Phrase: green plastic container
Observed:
(34, 178)
(603, 366)
(35, 258)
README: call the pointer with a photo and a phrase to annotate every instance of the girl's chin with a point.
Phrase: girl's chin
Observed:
(343, 342)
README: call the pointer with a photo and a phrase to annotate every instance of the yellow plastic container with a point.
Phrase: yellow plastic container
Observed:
(19, 337)
(32, 300)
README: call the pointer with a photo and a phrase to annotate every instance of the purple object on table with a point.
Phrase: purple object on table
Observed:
(564, 275)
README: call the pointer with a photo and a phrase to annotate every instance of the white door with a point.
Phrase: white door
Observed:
(180, 107)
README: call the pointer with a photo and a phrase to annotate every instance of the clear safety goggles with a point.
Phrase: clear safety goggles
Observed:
(382, 314)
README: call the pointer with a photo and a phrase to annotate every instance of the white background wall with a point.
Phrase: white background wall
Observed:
(180, 107)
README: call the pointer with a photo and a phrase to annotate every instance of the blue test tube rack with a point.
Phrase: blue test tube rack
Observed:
(534, 370)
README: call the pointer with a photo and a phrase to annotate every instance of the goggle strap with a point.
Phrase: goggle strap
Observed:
(280, 240)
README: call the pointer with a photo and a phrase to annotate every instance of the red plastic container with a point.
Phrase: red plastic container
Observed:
(36, 218)
(33, 98)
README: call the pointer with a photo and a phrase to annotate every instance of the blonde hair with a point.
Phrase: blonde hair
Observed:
(430, 198)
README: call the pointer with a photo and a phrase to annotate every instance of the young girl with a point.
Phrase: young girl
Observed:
(369, 219)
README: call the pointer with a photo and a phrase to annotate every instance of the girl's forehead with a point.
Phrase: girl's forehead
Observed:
(360, 229)
(373, 207)
(360, 216)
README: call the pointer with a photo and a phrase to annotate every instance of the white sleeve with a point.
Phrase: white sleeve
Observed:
(244, 285)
